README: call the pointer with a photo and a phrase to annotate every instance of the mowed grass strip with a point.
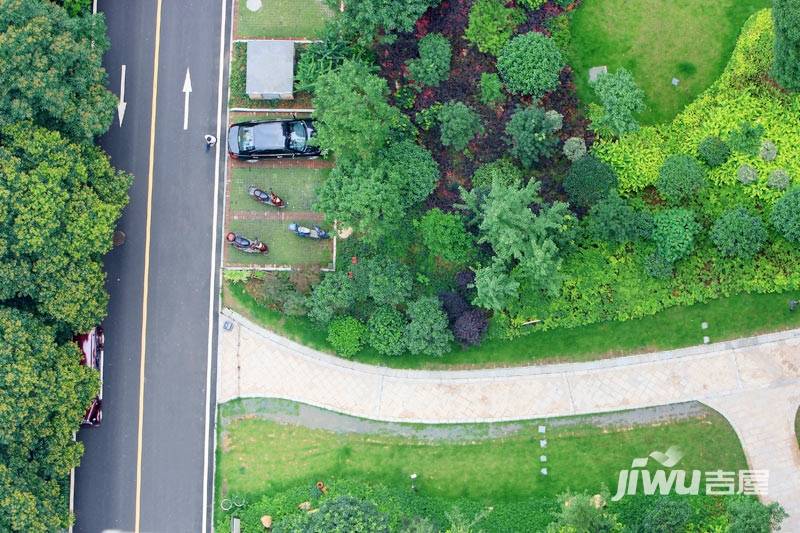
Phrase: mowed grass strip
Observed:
(678, 327)
(658, 40)
(258, 456)
(282, 19)
(285, 248)
(296, 185)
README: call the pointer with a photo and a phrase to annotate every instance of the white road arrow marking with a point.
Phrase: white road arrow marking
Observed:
(122, 103)
(187, 89)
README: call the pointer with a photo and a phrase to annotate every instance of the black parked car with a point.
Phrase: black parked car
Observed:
(276, 138)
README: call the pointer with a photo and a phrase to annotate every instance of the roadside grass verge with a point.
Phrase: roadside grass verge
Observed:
(282, 19)
(285, 248)
(257, 456)
(296, 185)
(678, 327)
(658, 40)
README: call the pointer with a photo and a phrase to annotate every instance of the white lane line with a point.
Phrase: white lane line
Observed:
(211, 285)
(187, 90)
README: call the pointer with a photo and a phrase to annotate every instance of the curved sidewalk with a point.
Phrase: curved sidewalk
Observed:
(754, 382)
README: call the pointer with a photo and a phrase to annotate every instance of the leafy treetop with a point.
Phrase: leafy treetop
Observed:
(51, 69)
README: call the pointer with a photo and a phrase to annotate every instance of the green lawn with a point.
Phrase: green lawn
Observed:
(678, 327)
(282, 19)
(285, 248)
(258, 455)
(658, 40)
(296, 185)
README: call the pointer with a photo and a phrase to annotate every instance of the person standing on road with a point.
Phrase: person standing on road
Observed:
(210, 141)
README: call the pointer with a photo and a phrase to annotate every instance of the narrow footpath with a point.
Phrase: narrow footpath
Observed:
(753, 382)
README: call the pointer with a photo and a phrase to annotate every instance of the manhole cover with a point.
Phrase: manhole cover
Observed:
(119, 238)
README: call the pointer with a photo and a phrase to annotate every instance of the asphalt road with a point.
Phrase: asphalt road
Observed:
(173, 419)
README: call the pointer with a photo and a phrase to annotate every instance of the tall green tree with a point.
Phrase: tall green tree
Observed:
(44, 395)
(59, 203)
(353, 118)
(50, 64)
(525, 243)
(786, 68)
(373, 197)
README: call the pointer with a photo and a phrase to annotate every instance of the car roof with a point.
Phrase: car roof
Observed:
(268, 135)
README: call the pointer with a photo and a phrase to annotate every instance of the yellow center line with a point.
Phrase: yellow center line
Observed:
(146, 281)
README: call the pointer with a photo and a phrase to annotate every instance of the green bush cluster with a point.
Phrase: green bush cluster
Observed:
(531, 134)
(786, 69)
(746, 138)
(574, 148)
(588, 181)
(503, 170)
(737, 233)
(713, 151)
(674, 233)
(491, 25)
(433, 65)
(530, 64)
(458, 125)
(346, 335)
(620, 100)
(681, 177)
(786, 215)
(491, 89)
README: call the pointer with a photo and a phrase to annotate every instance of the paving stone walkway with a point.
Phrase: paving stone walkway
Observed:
(753, 382)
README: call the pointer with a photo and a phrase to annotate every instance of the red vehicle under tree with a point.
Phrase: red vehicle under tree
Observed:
(91, 344)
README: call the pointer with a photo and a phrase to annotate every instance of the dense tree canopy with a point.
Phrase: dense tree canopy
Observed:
(52, 74)
(621, 99)
(353, 118)
(59, 203)
(374, 197)
(44, 394)
(524, 243)
(787, 43)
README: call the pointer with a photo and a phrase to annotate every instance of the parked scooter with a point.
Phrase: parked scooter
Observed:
(266, 198)
(308, 233)
(246, 245)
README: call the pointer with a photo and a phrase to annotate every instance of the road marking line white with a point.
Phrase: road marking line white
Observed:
(187, 90)
(211, 292)
(146, 280)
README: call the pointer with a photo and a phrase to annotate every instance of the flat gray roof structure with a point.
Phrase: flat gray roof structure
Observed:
(270, 70)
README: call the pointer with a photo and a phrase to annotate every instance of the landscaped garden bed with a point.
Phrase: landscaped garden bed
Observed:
(486, 207)
(269, 458)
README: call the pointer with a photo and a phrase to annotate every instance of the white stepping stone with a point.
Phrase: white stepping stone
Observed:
(543, 458)
(543, 443)
(596, 72)
(706, 340)
(542, 429)
(704, 325)
(676, 82)
(254, 5)
(543, 471)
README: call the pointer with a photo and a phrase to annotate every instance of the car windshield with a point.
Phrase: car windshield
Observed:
(297, 136)
(246, 139)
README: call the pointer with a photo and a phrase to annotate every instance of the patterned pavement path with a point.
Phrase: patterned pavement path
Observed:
(753, 382)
